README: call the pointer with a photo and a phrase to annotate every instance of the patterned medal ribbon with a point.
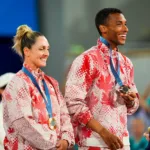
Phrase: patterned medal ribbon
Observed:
(123, 88)
(51, 120)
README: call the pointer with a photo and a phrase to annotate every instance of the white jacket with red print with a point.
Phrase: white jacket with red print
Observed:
(91, 93)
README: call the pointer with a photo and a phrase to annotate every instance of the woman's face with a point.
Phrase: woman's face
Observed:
(37, 56)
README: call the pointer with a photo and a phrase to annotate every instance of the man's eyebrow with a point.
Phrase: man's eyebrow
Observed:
(119, 21)
(43, 46)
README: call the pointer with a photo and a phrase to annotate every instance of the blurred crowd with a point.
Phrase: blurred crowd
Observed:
(140, 121)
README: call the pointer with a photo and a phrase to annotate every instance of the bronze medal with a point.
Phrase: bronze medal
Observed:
(52, 123)
(124, 89)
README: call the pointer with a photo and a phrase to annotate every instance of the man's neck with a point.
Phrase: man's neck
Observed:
(112, 45)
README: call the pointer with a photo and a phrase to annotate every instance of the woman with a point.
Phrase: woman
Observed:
(35, 114)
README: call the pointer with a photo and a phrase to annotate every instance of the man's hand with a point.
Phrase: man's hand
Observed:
(111, 140)
(129, 98)
(62, 145)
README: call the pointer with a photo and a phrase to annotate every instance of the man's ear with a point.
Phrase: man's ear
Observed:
(103, 28)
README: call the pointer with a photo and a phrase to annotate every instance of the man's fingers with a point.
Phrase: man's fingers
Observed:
(128, 97)
(133, 95)
(113, 147)
(120, 143)
(117, 144)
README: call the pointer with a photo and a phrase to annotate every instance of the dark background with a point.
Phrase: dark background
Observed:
(14, 13)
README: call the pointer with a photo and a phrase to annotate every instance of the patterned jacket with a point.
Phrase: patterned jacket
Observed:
(26, 116)
(91, 93)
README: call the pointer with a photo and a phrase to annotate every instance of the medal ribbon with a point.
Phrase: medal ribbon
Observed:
(48, 101)
(115, 73)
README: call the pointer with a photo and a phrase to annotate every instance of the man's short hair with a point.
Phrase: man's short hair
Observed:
(102, 16)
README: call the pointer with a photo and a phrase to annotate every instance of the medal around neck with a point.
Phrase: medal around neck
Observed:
(124, 89)
(52, 123)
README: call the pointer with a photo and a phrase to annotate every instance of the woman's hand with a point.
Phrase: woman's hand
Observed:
(62, 145)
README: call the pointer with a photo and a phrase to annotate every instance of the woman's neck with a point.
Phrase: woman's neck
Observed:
(30, 65)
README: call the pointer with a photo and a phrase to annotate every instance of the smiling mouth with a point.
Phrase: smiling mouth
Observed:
(123, 37)
(44, 60)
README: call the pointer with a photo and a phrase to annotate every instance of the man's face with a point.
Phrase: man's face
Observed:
(116, 29)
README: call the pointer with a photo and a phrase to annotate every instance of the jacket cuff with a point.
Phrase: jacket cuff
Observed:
(84, 118)
(135, 106)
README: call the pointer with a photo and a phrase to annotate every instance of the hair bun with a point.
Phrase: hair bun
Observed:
(21, 30)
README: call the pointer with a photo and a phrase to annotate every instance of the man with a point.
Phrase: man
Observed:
(4, 79)
(100, 89)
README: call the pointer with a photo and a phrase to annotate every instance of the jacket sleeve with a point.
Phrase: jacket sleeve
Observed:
(78, 84)
(2, 131)
(19, 105)
(132, 85)
(65, 122)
